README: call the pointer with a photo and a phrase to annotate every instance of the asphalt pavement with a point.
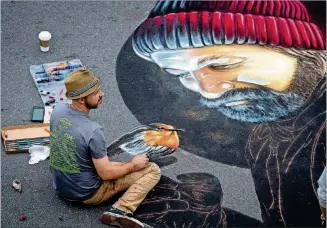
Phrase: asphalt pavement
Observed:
(93, 32)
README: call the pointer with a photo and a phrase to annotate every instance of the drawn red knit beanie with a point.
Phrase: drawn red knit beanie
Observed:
(175, 25)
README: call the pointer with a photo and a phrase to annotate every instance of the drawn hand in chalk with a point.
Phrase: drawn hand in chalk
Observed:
(193, 201)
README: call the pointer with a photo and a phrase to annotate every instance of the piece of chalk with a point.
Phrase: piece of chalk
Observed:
(44, 92)
(22, 218)
(60, 92)
(61, 98)
(51, 96)
(51, 101)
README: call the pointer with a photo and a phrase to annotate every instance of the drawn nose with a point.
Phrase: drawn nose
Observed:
(211, 87)
(216, 90)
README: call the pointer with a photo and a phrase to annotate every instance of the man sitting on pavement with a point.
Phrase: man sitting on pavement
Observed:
(79, 163)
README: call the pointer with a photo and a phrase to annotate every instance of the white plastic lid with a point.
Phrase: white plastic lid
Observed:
(44, 35)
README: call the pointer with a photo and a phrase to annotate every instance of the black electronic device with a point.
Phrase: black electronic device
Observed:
(37, 114)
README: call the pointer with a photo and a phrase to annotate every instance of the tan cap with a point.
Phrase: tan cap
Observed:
(81, 83)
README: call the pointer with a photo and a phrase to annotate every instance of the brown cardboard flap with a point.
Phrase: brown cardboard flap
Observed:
(30, 131)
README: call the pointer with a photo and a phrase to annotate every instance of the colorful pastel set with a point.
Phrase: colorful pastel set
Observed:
(49, 79)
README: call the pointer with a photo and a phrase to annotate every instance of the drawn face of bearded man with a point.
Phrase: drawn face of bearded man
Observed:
(248, 67)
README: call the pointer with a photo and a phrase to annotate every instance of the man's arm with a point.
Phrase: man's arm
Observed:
(105, 169)
(108, 171)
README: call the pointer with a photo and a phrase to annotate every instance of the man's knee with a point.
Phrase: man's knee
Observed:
(155, 170)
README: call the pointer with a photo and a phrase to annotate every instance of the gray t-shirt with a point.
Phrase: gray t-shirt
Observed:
(75, 139)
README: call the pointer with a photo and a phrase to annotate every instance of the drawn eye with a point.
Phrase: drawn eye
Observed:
(228, 63)
(224, 66)
(186, 75)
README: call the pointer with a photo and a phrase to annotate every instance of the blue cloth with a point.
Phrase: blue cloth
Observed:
(322, 189)
(75, 139)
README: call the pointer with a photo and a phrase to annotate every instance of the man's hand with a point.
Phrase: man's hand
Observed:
(139, 162)
(113, 171)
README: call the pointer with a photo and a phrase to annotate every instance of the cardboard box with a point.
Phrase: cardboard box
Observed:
(20, 138)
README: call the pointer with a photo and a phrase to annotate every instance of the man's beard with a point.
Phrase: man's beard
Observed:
(257, 105)
(90, 106)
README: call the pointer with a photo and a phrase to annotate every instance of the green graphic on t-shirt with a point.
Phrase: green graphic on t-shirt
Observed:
(64, 124)
(63, 148)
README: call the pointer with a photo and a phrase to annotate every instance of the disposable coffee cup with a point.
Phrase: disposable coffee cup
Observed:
(44, 37)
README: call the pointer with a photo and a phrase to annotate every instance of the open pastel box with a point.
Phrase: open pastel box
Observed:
(49, 79)
(20, 138)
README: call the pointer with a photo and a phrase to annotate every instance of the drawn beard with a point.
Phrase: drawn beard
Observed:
(263, 104)
(255, 105)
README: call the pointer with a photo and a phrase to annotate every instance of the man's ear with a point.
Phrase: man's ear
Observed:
(81, 100)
